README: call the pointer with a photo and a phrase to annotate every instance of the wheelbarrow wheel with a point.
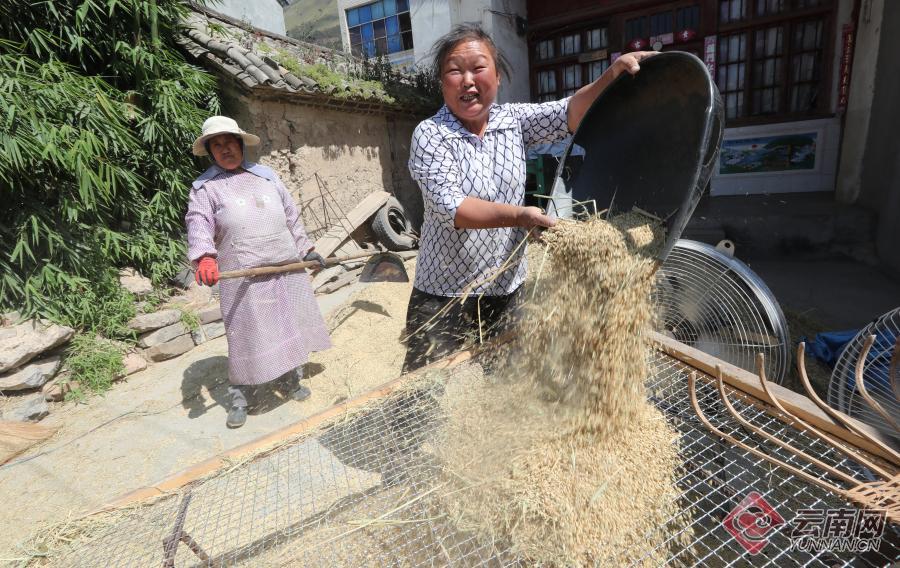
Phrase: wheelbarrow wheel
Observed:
(392, 228)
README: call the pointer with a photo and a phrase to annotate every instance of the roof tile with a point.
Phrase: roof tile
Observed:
(251, 58)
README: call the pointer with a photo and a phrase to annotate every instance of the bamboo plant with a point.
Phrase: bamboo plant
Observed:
(98, 109)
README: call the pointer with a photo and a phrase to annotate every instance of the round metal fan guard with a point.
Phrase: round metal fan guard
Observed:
(716, 304)
(842, 392)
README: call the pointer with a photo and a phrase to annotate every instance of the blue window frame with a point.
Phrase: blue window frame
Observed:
(380, 28)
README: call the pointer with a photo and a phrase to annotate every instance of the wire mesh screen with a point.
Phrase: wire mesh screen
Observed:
(716, 304)
(843, 392)
(358, 492)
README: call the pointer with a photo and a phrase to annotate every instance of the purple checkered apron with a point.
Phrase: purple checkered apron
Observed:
(272, 323)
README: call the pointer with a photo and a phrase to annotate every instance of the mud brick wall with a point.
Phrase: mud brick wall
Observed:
(352, 153)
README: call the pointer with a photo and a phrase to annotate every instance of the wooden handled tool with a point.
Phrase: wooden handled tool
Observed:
(382, 258)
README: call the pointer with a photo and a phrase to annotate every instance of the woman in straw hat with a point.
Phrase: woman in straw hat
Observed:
(241, 216)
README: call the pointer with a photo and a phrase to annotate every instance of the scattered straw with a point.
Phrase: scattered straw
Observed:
(557, 452)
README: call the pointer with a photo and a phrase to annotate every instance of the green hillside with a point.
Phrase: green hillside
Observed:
(315, 21)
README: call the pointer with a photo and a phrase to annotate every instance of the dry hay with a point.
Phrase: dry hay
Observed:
(582, 340)
(557, 452)
(366, 350)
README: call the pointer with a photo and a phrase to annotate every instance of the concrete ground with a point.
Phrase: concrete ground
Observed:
(841, 294)
(817, 255)
(172, 415)
(819, 295)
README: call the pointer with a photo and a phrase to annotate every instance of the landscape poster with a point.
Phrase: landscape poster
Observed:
(767, 154)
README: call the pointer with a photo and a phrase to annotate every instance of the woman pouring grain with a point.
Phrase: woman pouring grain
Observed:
(241, 216)
(469, 162)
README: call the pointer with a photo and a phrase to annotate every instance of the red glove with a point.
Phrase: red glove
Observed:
(207, 271)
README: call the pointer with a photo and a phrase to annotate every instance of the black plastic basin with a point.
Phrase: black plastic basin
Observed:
(650, 142)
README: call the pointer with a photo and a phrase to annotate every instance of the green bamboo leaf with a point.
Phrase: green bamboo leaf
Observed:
(20, 251)
(82, 12)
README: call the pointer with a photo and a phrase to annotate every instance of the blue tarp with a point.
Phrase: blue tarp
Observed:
(827, 346)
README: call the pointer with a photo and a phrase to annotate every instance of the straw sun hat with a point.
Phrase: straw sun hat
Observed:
(216, 125)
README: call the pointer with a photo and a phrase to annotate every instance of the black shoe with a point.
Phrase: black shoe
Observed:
(301, 393)
(236, 416)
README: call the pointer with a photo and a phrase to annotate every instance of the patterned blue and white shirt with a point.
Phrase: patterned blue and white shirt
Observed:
(450, 163)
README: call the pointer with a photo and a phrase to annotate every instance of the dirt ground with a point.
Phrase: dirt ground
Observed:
(172, 415)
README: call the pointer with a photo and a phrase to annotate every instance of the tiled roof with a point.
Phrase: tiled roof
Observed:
(256, 59)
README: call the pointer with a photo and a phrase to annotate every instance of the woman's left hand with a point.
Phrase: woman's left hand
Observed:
(314, 256)
(630, 62)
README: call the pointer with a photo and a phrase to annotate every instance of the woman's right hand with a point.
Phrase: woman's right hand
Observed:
(530, 217)
(207, 271)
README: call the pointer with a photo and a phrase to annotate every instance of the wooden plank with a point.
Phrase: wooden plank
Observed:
(748, 383)
(16, 437)
(337, 234)
(344, 279)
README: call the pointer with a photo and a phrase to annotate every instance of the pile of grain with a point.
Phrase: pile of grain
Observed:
(557, 453)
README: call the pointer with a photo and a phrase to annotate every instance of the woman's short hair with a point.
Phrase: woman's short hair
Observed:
(463, 33)
(238, 138)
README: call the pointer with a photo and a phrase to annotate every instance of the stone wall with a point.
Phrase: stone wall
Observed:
(353, 154)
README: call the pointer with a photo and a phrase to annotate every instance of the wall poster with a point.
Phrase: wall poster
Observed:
(767, 154)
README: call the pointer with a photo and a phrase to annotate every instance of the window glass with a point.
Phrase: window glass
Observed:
(368, 31)
(596, 68)
(661, 23)
(732, 10)
(687, 18)
(545, 49)
(769, 7)
(547, 82)
(636, 28)
(570, 44)
(731, 72)
(378, 28)
(377, 10)
(571, 79)
(405, 23)
(596, 39)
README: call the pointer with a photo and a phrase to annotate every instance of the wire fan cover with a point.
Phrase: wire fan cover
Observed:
(715, 303)
(842, 392)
